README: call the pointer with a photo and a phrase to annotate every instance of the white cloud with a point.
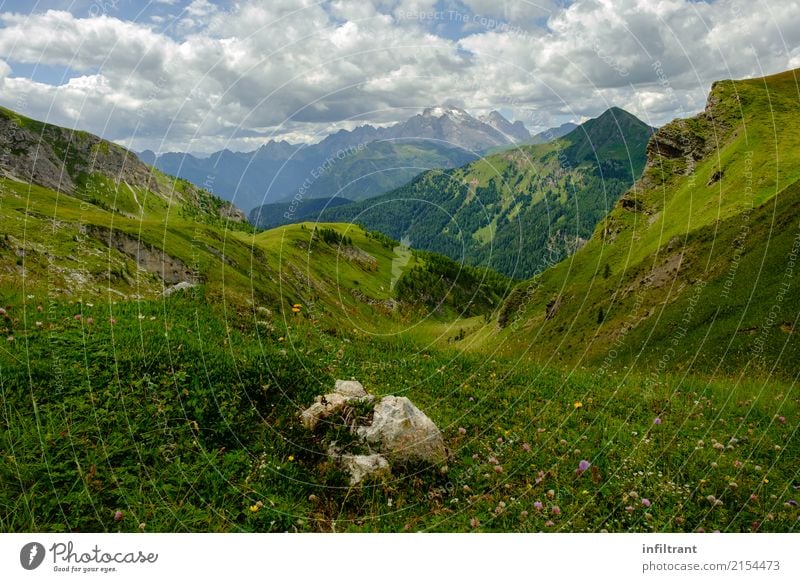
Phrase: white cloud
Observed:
(298, 68)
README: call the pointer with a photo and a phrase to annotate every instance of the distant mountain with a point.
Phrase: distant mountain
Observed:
(553, 133)
(516, 132)
(519, 209)
(357, 164)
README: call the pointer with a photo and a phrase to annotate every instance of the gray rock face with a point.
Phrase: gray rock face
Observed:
(405, 434)
(149, 258)
(398, 433)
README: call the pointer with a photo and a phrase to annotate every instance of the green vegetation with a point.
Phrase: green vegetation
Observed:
(182, 415)
(518, 211)
(647, 383)
(703, 250)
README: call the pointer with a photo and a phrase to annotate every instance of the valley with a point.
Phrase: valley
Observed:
(607, 342)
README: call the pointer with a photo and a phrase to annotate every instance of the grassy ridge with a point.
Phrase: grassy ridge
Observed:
(689, 266)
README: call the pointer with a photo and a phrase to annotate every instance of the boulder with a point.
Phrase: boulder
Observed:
(404, 433)
(361, 467)
(399, 433)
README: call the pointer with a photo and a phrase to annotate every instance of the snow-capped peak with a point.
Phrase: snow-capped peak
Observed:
(444, 111)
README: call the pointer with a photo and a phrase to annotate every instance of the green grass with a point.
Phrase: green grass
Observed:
(184, 417)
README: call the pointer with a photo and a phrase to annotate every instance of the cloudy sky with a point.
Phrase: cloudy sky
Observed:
(202, 75)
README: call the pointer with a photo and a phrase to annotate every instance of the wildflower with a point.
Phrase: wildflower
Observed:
(112, 321)
(551, 494)
(90, 320)
(792, 502)
(498, 469)
(629, 508)
(555, 510)
(753, 497)
(291, 458)
(119, 515)
(2, 311)
(142, 526)
(10, 338)
(656, 421)
(578, 404)
(296, 309)
(499, 440)
(474, 522)
(737, 464)
(254, 508)
(782, 419)
(39, 308)
(526, 447)
(537, 505)
(78, 317)
(39, 324)
(549, 523)
(461, 430)
(646, 502)
(583, 466)
(494, 461)
(312, 498)
(523, 514)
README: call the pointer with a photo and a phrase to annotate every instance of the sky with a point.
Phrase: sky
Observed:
(203, 75)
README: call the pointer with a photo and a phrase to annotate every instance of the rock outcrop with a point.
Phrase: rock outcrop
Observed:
(394, 434)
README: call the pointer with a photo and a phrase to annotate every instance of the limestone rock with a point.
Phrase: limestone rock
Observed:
(404, 433)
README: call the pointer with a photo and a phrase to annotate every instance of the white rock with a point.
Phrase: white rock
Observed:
(404, 433)
(362, 467)
(350, 389)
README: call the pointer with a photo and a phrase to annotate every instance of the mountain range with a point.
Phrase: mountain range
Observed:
(510, 211)
(357, 164)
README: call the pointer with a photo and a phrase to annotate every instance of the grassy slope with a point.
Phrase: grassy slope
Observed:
(682, 236)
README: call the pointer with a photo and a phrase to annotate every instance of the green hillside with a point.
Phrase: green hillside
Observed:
(694, 268)
(518, 210)
(128, 409)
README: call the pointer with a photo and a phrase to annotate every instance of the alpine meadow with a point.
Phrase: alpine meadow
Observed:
(249, 292)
